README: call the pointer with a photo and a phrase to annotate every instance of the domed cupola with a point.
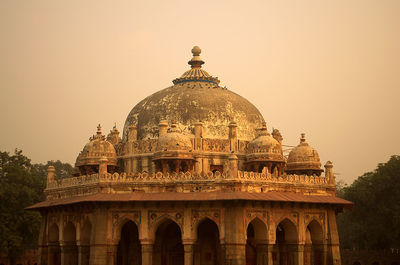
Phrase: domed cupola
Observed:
(303, 160)
(88, 159)
(265, 151)
(174, 151)
(195, 96)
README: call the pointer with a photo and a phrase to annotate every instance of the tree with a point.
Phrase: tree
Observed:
(21, 185)
(374, 222)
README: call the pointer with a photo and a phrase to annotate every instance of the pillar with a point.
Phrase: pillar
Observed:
(50, 174)
(333, 240)
(233, 166)
(132, 133)
(329, 172)
(99, 252)
(188, 252)
(233, 136)
(103, 167)
(162, 128)
(147, 253)
(198, 135)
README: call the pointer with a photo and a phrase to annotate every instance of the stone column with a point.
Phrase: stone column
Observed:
(296, 254)
(147, 253)
(233, 166)
(98, 244)
(132, 133)
(103, 167)
(333, 237)
(188, 248)
(234, 254)
(162, 128)
(233, 136)
(198, 135)
(270, 253)
(50, 174)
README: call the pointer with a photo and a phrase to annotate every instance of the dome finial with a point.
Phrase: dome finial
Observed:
(196, 62)
(303, 138)
(99, 129)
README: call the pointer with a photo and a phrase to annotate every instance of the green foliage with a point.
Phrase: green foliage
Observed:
(374, 223)
(21, 185)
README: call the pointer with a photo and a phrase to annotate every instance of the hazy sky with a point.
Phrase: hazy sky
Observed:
(330, 69)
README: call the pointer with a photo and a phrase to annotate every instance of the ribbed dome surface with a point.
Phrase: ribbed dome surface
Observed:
(196, 97)
(303, 157)
(97, 148)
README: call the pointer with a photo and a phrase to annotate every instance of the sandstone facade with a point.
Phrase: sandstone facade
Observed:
(195, 179)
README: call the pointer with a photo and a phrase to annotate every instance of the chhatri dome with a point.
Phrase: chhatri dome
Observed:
(196, 179)
(195, 97)
(303, 159)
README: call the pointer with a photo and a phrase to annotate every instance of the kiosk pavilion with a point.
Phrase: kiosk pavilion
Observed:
(197, 179)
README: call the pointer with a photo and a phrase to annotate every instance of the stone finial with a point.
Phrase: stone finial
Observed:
(196, 62)
(50, 174)
(162, 128)
(113, 136)
(99, 129)
(132, 133)
(277, 135)
(303, 138)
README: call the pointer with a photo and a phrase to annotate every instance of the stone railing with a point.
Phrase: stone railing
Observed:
(244, 175)
(159, 177)
(73, 181)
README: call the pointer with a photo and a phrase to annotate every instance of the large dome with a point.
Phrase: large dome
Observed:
(195, 96)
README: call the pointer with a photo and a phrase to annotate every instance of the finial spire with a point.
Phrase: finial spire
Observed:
(303, 138)
(99, 129)
(196, 62)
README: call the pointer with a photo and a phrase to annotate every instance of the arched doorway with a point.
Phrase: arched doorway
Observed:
(54, 251)
(256, 244)
(70, 248)
(314, 247)
(168, 248)
(207, 250)
(129, 249)
(86, 233)
(285, 249)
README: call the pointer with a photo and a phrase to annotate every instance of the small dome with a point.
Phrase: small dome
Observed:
(174, 141)
(96, 148)
(303, 158)
(266, 146)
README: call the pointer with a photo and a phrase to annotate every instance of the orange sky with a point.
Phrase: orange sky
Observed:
(330, 69)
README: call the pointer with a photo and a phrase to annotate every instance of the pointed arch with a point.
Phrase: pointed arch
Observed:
(257, 237)
(200, 221)
(129, 248)
(117, 228)
(70, 248)
(314, 248)
(286, 238)
(168, 247)
(54, 250)
(207, 249)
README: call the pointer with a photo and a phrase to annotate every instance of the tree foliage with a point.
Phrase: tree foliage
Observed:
(21, 185)
(374, 223)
